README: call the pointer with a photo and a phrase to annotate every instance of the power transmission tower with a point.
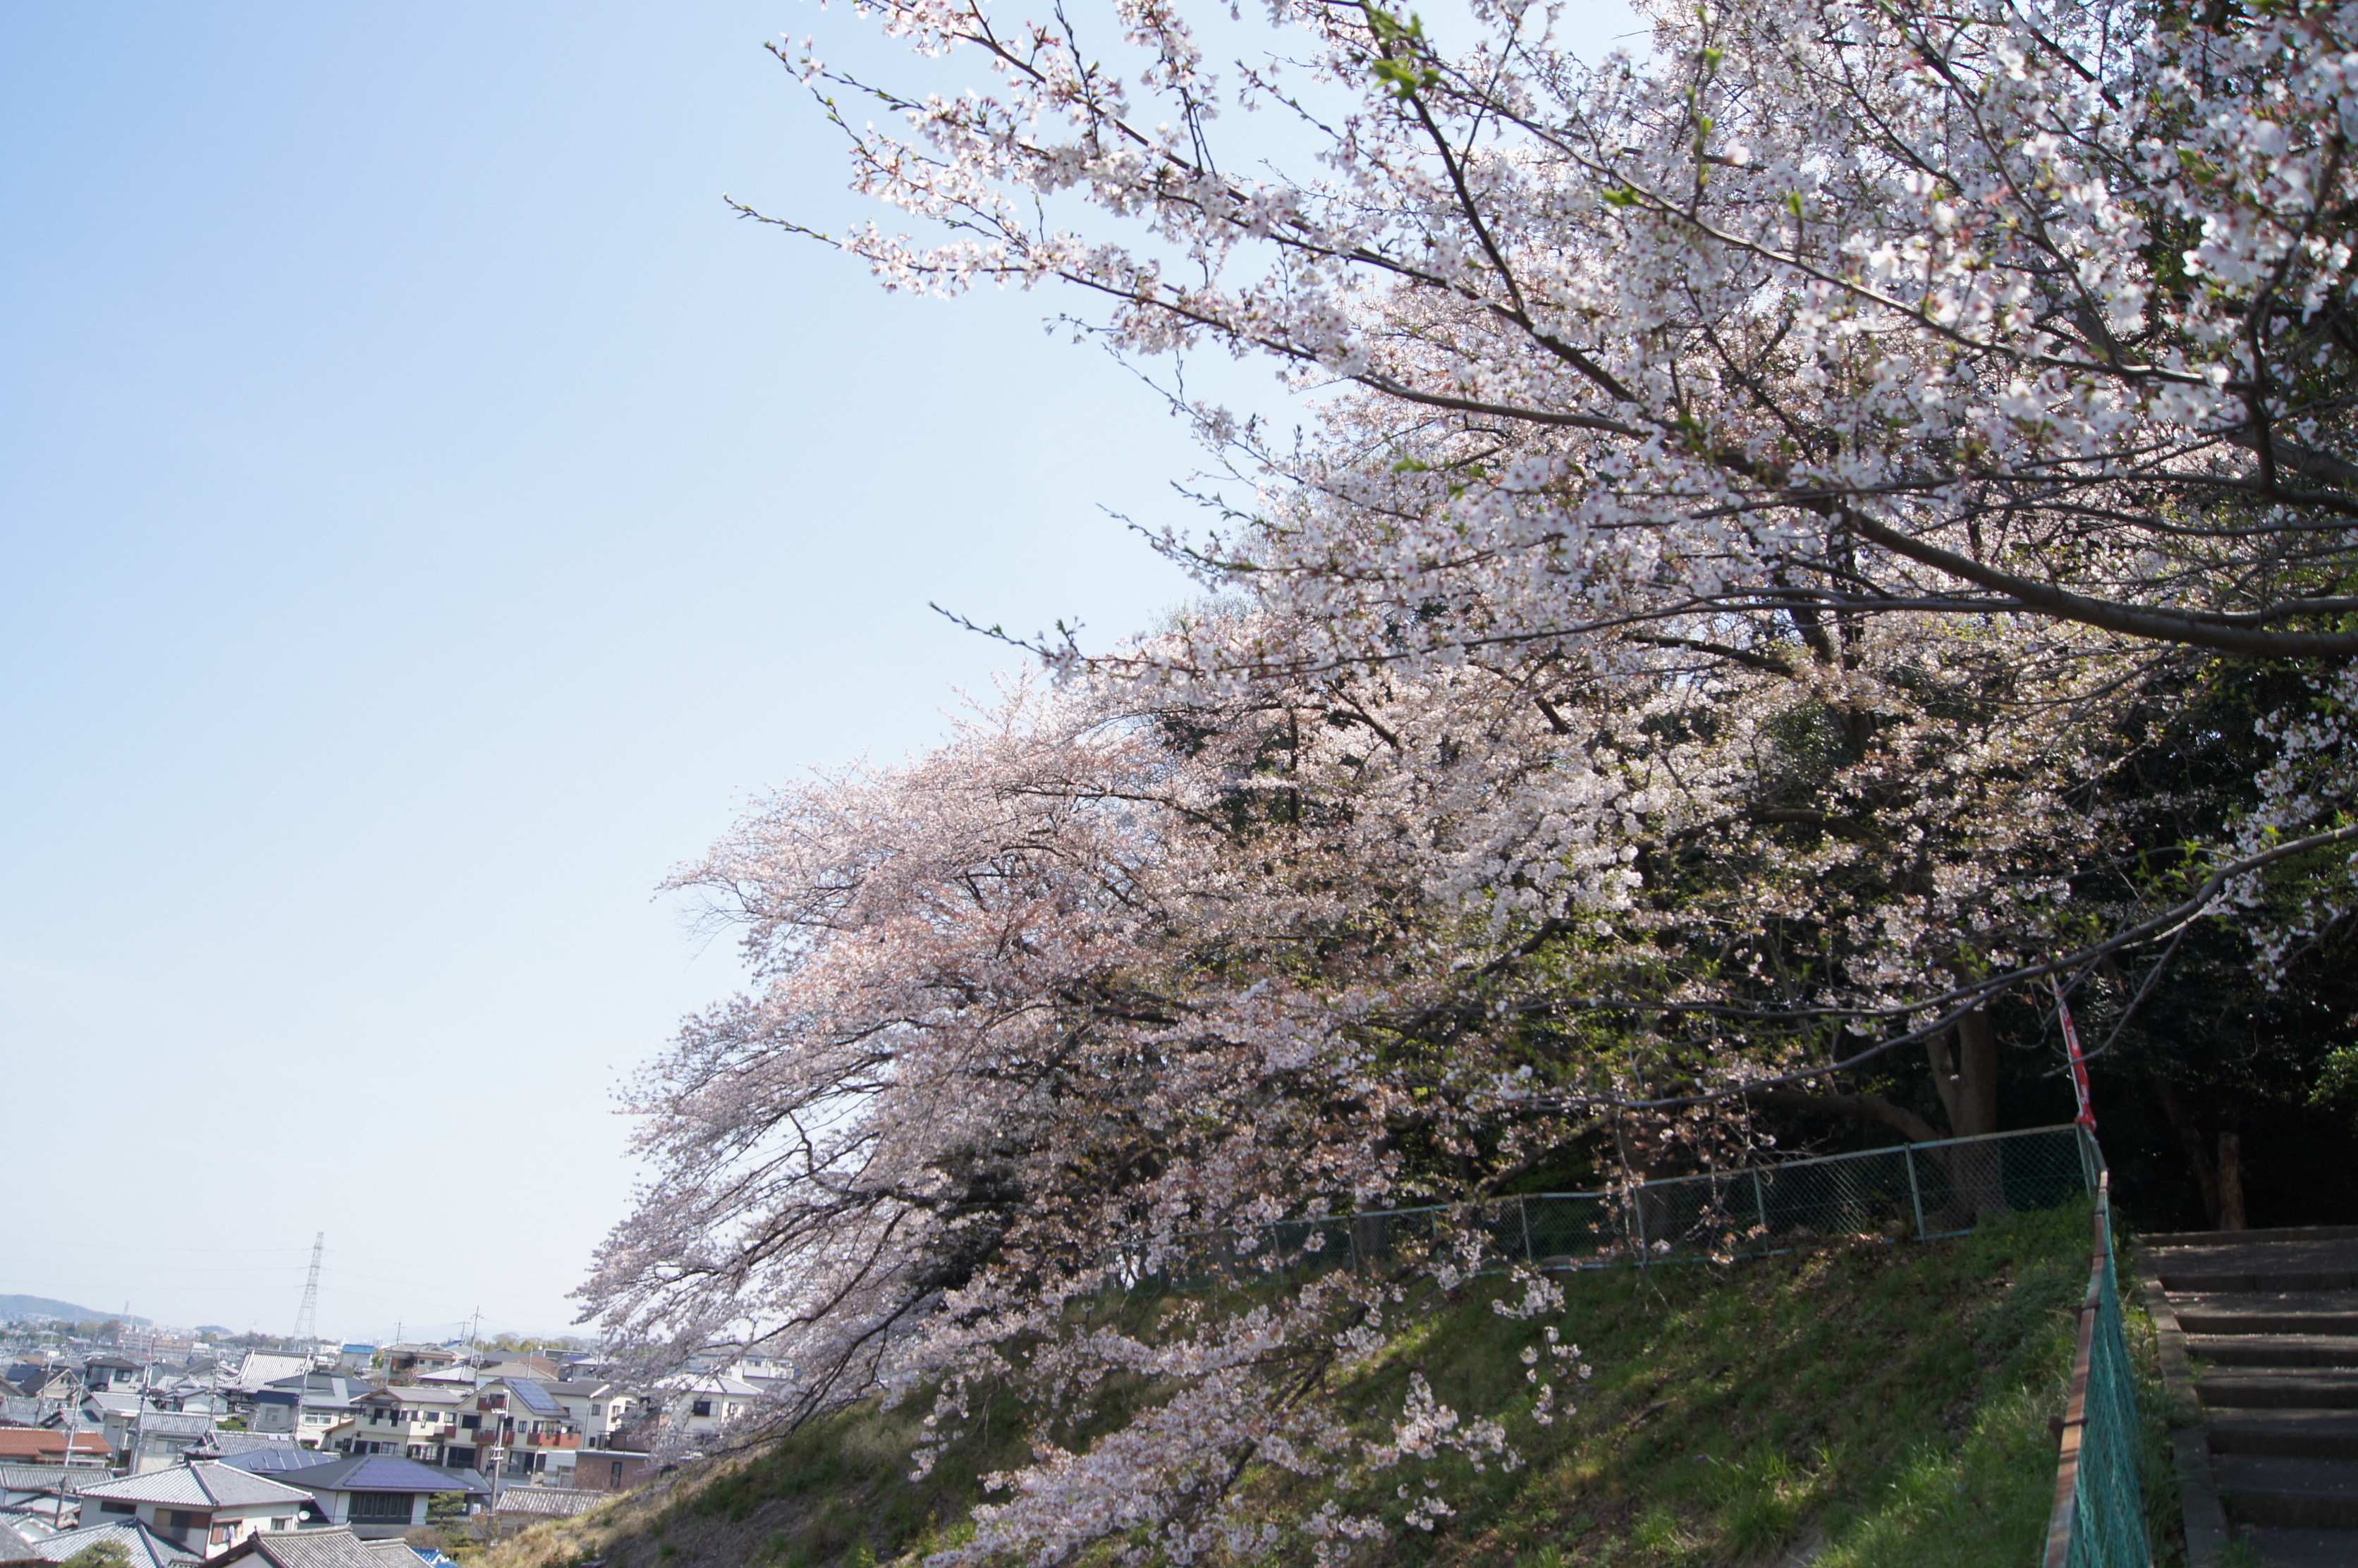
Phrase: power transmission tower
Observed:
(306, 1321)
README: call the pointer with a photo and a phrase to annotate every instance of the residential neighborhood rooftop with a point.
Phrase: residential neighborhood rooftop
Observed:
(206, 1484)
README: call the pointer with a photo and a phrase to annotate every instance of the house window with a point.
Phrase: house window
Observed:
(701, 1407)
(118, 1507)
(381, 1508)
(471, 1423)
(282, 1524)
(615, 1480)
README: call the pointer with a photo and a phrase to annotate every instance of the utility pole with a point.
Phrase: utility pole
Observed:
(306, 1320)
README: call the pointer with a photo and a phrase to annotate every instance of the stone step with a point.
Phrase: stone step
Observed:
(2250, 1238)
(2302, 1494)
(2281, 1547)
(2275, 1349)
(2286, 1434)
(2236, 1389)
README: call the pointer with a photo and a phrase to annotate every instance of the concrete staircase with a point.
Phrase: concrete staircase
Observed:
(2260, 1327)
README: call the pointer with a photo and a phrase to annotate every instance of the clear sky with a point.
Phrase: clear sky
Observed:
(426, 516)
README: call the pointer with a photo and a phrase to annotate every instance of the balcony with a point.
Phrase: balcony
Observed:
(548, 1440)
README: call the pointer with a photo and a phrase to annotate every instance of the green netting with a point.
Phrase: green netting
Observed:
(1923, 1190)
(2100, 1517)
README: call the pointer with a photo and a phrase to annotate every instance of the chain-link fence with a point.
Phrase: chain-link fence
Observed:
(2100, 1519)
(1920, 1190)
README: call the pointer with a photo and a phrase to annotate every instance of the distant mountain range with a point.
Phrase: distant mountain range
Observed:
(42, 1306)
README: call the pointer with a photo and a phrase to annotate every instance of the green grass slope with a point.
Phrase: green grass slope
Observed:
(1861, 1406)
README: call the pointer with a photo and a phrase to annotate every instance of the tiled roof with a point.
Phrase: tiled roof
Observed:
(236, 1443)
(337, 1548)
(71, 1479)
(279, 1461)
(23, 1442)
(549, 1500)
(209, 1484)
(377, 1472)
(419, 1394)
(171, 1423)
(147, 1548)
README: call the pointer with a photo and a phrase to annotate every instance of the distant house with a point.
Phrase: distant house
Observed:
(599, 1409)
(309, 1405)
(207, 1507)
(611, 1469)
(524, 1366)
(528, 1424)
(697, 1406)
(116, 1417)
(378, 1494)
(355, 1357)
(403, 1361)
(162, 1436)
(263, 1368)
(102, 1372)
(431, 1424)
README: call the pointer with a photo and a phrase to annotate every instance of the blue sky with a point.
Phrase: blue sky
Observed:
(426, 516)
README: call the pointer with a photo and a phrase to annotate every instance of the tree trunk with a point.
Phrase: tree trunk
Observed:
(1976, 1113)
(1945, 1082)
(1968, 1086)
(2231, 1181)
(2198, 1151)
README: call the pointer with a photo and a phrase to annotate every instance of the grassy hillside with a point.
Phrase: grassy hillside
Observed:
(1865, 1406)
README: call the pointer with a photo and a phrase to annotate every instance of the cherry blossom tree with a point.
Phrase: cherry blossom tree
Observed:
(1821, 314)
(1826, 309)
(1691, 651)
(1039, 1013)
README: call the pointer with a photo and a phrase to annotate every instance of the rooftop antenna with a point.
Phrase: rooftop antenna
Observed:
(306, 1320)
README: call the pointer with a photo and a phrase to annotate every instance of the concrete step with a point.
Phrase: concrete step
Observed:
(2275, 1349)
(2286, 1434)
(2249, 1238)
(2284, 1263)
(2302, 1494)
(2303, 1548)
(2231, 1277)
(2316, 1388)
(2331, 1312)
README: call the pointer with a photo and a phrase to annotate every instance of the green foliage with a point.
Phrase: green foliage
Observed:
(2337, 1083)
(101, 1554)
